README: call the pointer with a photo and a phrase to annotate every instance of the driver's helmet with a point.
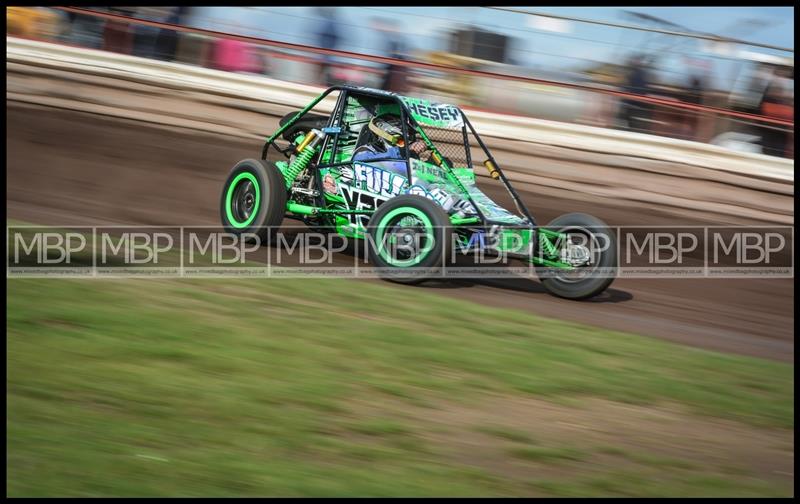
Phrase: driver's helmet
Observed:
(388, 131)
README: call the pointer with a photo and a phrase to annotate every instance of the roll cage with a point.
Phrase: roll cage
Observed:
(333, 130)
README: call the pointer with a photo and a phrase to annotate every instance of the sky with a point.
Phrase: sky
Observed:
(536, 45)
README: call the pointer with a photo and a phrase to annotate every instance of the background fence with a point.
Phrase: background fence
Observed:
(756, 116)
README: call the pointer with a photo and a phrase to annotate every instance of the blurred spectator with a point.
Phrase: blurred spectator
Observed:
(695, 90)
(144, 41)
(118, 35)
(20, 22)
(85, 31)
(235, 56)
(635, 115)
(167, 40)
(753, 94)
(777, 103)
(328, 38)
(694, 94)
(33, 22)
(395, 77)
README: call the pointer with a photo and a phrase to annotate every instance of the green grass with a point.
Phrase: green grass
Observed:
(658, 483)
(378, 427)
(647, 459)
(547, 454)
(246, 387)
(506, 433)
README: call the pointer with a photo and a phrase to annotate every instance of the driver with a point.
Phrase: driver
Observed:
(387, 140)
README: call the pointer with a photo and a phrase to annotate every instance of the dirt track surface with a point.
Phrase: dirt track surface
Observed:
(76, 168)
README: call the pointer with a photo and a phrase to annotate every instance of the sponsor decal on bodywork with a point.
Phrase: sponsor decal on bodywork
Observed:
(492, 210)
(329, 184)
(437, 194)
(356, 199)
(438, 115)
(427, 171)
(374, 179)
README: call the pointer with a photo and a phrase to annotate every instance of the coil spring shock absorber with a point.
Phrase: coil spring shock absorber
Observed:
(548, 247)
(305, 151)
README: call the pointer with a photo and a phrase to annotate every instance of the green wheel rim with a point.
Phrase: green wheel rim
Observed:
(247, 176)
(381, 231)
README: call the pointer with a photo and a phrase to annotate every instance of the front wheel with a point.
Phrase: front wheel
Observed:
(253, 199)
(591, 248)
(408, 238)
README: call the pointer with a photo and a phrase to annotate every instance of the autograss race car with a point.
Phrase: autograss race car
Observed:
(398, 172)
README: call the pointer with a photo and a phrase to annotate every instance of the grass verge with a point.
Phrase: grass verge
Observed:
(242, 387)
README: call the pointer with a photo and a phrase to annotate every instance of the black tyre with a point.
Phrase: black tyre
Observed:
(600, 245)
(253, 199)
(409, 237)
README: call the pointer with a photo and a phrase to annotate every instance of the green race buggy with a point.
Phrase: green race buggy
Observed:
(399, 173)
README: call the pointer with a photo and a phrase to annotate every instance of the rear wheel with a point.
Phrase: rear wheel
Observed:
(590, 246)
(253, 199)
(409, 239)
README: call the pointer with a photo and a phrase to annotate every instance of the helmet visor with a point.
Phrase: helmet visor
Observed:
(388, 131)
